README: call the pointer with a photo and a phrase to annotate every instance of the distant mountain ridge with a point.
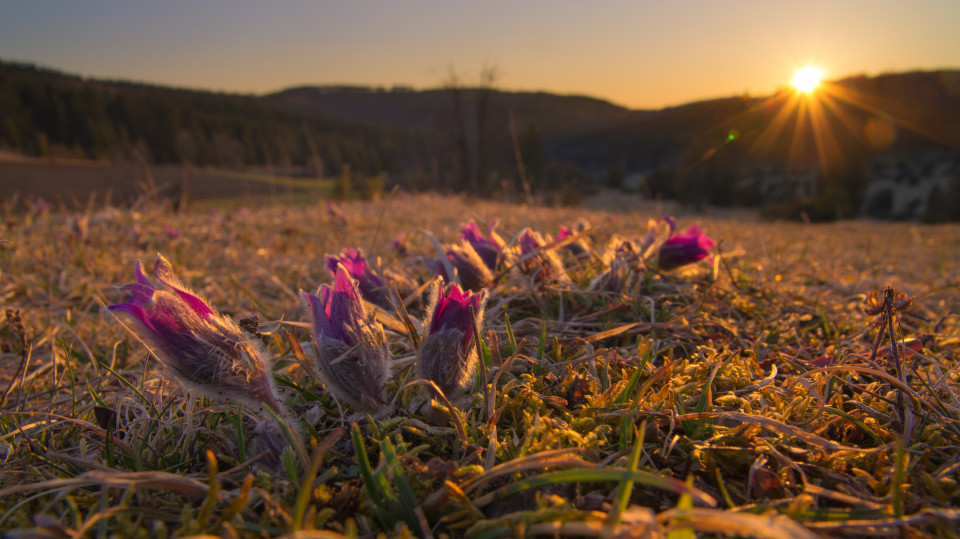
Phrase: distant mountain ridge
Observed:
(922, 107)
(428, 110)
(461, 138)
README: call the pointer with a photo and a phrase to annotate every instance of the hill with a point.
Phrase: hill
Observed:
(48, 113)
(430, 110)
(924, 108)
(831, 147)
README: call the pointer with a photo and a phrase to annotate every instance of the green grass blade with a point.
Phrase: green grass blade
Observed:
(598, 475)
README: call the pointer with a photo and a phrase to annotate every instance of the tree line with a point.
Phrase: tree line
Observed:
(46, 113)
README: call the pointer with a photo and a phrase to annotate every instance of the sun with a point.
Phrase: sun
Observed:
(807, 79)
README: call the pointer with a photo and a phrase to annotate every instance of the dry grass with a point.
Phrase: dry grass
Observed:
(592, 411)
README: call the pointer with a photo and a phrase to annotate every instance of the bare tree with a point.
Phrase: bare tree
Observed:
(461, 155)
(485, 89)
(469, 126)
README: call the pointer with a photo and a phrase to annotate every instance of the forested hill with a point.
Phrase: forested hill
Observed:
(431, 110)
(461, 138)
(45, 112)
(921, 109)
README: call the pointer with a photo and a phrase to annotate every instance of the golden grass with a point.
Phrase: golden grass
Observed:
(701, 382)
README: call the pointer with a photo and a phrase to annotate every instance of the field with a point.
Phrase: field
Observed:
(745, 394)
(73, 183)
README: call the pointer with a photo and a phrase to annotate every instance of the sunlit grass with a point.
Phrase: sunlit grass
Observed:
(747, 384)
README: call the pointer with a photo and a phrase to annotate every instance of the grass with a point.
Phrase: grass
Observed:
(738, 397)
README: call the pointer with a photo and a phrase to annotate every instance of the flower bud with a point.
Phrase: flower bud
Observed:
(474, 274)
(487, 248)
(448, 345)
(577, 247)
(350, 346)
(371, 286)
(687, 248)
(545, 265)
(205, 351)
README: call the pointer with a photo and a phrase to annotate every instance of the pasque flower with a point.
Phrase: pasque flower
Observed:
(545, 264)
(371, 286)
(487, 248)
(448, 345)
(578, 246)
(336, 213)
(202, 349)
(474, 273)
(614, 279)
(350, 346)
(686, 248)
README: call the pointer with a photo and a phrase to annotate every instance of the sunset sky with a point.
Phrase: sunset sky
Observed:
(637, 54)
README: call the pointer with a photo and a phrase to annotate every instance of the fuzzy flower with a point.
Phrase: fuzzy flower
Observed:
(172, 233)
(448, 347)
(79, 225)
(658, 230)
(350, 346)
(436, 266)
(41, 206)
(615, 278)
(544, 264)
(336, 213)
(578, 246)
(487, 248)
(205, 351)
(687, 248)
(474, 273)
(372, 287)
(400, 244)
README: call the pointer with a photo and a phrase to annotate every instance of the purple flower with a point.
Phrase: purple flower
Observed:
(657, 233)
(487, 248)
(543, 263)
(350, 346)
(474, 274)
(172, 233)
(615, 278)
(372, 287)
(79, 226)
(336, 213)
(205, 351)
(578, 246)
(436, 266)
(400, 244)
(687, 248)
(448, 347)
(41, 206)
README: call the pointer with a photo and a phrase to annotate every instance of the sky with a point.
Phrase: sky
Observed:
(639, 54)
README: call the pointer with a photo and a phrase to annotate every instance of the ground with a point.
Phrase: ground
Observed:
(740, 394)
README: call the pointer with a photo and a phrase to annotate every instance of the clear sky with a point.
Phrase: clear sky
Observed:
(641, 54)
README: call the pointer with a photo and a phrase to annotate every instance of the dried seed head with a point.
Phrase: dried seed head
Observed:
(876, 301)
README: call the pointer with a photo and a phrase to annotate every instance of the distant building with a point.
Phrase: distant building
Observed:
(907, 186)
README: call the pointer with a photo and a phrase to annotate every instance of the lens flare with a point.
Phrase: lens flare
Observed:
(807, 79)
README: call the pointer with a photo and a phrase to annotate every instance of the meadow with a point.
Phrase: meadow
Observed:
(745, 394)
